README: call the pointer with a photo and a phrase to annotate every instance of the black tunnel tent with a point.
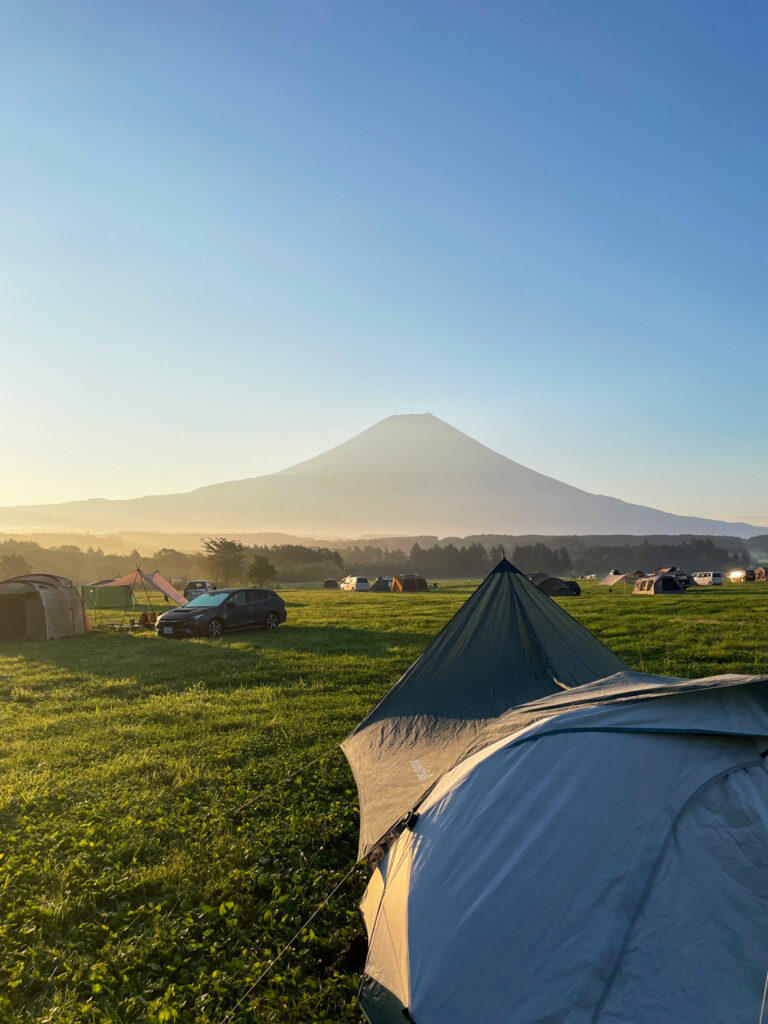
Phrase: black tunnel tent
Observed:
(380, 586)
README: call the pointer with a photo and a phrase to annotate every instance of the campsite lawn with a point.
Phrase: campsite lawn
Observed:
(147, 874)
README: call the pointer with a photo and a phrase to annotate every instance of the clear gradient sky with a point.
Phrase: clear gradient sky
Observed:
(543, 222)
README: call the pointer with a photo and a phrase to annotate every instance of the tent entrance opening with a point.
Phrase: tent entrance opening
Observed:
(13, 618)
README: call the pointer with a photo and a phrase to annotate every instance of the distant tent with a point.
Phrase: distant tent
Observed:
(104, 595)
(409, 581)
(506, 645)
(553, 586)
(659, 583)
(331, 583)
(41, 607)
(149, 581)
(760, 574)
(380, 586)
(614, 577)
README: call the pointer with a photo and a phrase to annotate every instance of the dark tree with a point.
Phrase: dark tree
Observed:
(13, 565)
(261, 571)
(226, 559)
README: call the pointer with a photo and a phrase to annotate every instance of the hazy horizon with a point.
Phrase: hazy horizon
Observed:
(405, 475)
(757, 520)
(232, 238)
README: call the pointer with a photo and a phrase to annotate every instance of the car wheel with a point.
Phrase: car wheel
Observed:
(215, 629)
(272, 621)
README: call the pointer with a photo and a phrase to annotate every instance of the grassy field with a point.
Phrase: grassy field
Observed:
(148, 873)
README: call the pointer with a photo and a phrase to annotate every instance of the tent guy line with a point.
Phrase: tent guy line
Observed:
(324, 903)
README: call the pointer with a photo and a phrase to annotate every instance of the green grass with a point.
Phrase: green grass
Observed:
(137, 881)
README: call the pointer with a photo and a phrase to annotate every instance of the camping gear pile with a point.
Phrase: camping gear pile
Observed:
(559, 838)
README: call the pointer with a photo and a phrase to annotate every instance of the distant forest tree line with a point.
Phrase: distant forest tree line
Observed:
(229, 562)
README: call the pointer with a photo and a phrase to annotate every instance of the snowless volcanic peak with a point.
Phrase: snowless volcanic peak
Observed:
(405, 476)
(415, 443)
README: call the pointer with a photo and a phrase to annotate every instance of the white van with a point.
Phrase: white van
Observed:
(707, 579)
(355, 583)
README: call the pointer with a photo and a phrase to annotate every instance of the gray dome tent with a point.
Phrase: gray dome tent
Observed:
(506, 645)
(602, 859)
(553, 586)
(660, 583)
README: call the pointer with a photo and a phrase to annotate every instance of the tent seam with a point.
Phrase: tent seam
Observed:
(651, 876)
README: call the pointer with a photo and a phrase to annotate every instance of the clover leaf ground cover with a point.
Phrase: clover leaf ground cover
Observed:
(139, 878)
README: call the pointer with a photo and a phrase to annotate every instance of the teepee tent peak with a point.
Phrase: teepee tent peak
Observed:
(507, 645)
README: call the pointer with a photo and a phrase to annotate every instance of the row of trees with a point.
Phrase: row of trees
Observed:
(539, 558)
(20, 556)
(698, 553)
(229, 562)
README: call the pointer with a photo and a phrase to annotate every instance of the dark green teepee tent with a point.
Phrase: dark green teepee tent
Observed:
(509, 644)
(380, 586)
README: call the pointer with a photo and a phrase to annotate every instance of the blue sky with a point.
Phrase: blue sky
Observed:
(543, 222)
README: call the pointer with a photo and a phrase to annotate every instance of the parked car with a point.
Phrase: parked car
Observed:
(223, 611)
(707, 579)
(355, 583)
(194, 587)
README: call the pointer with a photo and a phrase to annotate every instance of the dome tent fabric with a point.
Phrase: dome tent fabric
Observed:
(603, 861)
(507, 645)
(38, 606)
(659, 583)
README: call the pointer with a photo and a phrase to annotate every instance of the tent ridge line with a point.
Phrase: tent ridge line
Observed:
(754, 763)
(456, 614)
